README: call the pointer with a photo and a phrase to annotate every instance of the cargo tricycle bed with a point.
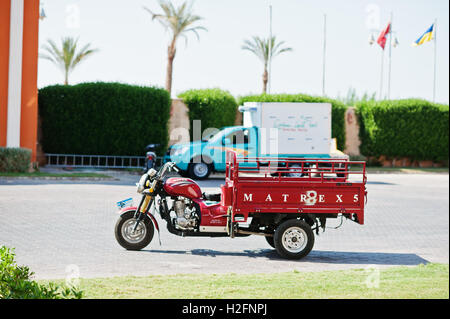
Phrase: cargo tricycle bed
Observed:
(287, 199)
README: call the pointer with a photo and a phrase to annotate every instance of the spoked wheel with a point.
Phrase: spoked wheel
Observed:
(293, 239)
(137, 239)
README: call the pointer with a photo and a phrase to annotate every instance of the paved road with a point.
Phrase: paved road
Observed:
(62, 228)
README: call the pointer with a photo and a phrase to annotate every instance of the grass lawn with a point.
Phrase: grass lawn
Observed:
(43, 174)
(423, 281)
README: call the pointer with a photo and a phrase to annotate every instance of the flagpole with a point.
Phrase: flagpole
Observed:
(390, 59)
(270, 48)
(434, 73)
(381, 76)
(324, 51)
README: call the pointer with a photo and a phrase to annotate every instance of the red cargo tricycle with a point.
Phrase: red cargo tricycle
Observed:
(283, 199)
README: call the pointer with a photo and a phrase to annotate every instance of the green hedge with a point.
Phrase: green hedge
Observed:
(14, 159)
(103, 118)
(214, 107)
(410, 128)
(337, 111)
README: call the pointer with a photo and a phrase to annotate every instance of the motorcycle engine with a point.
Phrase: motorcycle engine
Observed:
(186, 214)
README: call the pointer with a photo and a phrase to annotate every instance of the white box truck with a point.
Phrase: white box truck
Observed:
(268, 130)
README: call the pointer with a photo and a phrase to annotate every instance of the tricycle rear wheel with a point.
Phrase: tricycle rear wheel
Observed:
(293, 239)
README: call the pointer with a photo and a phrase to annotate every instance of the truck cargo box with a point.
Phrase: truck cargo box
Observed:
(290, 128)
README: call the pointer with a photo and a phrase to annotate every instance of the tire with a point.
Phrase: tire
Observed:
(126, 240)
(287, 173)
(296, 168)
(199, 170)
(340, 168)
(269, 240)
(293, 239)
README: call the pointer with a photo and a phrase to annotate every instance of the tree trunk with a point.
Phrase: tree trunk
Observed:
(170, 57)
(66, 77)
(265, 80)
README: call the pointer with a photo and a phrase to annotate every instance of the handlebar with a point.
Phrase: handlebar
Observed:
(154, 176)
(168, 166)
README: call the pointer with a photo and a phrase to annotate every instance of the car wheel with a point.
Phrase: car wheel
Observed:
(199, 170)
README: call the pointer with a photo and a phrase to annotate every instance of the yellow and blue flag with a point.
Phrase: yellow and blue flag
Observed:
(427, 36)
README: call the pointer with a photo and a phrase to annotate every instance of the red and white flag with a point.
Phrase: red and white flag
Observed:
(382, 37)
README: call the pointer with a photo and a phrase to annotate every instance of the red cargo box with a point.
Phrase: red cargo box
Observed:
(323, 187)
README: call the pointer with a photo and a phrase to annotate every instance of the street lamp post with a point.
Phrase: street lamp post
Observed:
(270, 49)
(324, 52)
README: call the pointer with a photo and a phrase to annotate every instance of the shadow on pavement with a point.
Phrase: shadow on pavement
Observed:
(316, 256)
(380, 183)
(367, 258)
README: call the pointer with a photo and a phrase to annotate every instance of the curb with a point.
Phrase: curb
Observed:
(407, 173)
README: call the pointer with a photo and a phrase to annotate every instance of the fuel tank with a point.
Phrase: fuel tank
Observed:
(178, 186)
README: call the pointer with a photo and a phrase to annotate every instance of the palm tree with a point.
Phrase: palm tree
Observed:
(66, 58)
(179, 21)
(260, 47)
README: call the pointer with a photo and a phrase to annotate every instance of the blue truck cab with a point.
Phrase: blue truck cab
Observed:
(269, 130)
(199, 158)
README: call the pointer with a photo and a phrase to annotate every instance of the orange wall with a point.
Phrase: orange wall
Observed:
(29, 110)
(5, 10)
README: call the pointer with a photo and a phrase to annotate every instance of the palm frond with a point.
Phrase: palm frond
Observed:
(179, 20)
(263, 47)
(83, 53)
(65, 57)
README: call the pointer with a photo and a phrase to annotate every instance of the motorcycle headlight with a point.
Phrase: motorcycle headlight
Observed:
(152, 172)
(141, 184)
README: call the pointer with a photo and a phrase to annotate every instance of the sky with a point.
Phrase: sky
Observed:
(133, 49)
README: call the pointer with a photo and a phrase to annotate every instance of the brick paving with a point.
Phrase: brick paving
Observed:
(62, 227)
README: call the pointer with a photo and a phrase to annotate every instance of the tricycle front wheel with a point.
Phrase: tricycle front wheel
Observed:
(129, 238)
(293, 239)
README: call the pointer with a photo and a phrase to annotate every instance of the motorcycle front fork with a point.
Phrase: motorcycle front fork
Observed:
(142, 210)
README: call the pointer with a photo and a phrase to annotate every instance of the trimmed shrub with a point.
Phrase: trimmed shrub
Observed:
(412, 128)
(14, 159)
(337, 111)
(103, 118)
(214, 107)
(16, 283)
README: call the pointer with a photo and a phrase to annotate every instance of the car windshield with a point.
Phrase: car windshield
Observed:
(224, 131)
(218, 136)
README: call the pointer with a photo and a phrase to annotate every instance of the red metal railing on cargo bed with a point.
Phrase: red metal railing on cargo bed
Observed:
(293, 169)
